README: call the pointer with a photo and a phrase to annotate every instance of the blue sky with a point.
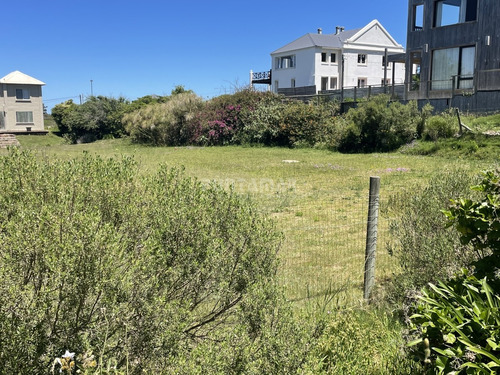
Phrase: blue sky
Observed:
(136, 48)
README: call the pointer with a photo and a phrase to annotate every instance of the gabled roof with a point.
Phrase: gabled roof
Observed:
(358, 35)
(333, 40)
(318, 40)
(20, 78)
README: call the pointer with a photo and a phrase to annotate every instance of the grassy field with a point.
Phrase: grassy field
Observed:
(318, 198)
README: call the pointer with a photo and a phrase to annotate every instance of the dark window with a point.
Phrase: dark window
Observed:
(22, 94)
(453, 65)
(333, 58)
(323, 56)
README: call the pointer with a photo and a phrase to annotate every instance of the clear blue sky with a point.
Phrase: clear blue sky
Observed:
(136, 48)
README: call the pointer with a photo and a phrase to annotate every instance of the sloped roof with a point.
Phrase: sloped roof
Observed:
(20, 78)
(333, 40)
(318, 40)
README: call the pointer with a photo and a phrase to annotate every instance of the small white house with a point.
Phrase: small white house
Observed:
(347, 58)
(21, 105)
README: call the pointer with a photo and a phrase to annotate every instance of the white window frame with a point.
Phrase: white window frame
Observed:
(285, 62)
(362, 58)
(24, 117)
(362, 82)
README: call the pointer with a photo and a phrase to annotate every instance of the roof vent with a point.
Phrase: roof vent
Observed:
(339, 29)
(320, 31)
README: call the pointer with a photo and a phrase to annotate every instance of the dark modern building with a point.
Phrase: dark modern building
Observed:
(453, 53)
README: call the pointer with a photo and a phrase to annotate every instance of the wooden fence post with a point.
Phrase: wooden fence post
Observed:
(371, 237)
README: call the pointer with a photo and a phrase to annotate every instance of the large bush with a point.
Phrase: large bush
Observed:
(164, 124)
(99, 117)
(140, 270)
(457, 322)
(441, 126)
(424, 246)
(291, 123)
(381, 125)
(221, 119)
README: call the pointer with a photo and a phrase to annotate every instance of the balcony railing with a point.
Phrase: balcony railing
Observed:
(260, 77)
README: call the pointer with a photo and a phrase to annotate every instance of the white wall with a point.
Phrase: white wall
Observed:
(303, 72)
(373, 70)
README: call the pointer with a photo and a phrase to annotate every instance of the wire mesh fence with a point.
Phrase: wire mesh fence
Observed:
(325, 229)
(325, 243)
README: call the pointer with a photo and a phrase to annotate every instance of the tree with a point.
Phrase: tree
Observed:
(97, 118)
(61, 113)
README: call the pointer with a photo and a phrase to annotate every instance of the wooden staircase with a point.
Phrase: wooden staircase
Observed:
(8, 140)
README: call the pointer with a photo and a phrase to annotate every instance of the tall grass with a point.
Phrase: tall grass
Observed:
(318, 198)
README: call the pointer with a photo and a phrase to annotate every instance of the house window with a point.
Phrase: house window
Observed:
(292, 83)
(362, 59)
(323, 57)
(450, 12)
(324, 83)
(285, 62)
(24, 117)
(22, 94)
(453, 62)
(333, 58)
(362, 82)
(387, 82)
(418, 17)
(333, 83)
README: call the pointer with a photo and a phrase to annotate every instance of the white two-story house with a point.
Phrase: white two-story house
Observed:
(21, 105)
(347, 58)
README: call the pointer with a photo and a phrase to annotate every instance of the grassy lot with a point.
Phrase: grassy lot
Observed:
(318, 198)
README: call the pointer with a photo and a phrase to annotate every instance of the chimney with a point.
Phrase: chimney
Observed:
(320, 31)
(337, 30)
(342, 29)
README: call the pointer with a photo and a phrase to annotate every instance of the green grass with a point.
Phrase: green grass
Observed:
(319, 200)
(482, 123)
(469, 146)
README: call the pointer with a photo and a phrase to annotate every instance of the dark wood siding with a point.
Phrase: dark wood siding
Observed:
(473, 33)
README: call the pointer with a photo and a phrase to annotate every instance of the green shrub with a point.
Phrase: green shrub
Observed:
(138, 270)
(361, 342)
(99, 117)
(457, 322)
(289, 123)
(262, 125)
(441, 126)
(380, 125)
(458, 326)
(164, 124)
(424, 246)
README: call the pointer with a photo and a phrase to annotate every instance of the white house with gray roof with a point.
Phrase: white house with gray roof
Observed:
(21, 105)
(347, 58)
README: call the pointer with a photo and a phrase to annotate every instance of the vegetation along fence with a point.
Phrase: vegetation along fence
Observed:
(326, 250)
